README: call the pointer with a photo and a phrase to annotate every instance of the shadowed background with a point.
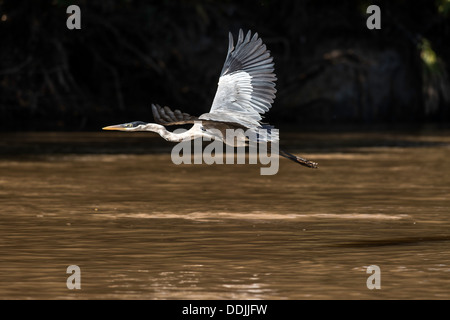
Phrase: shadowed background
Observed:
(332, 70)
(141, 227)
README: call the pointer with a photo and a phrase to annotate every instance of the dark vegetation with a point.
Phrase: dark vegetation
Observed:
(128, 54)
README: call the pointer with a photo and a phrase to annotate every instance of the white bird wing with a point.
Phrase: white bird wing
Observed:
(246, 86)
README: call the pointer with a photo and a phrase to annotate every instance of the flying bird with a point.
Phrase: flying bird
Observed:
(245, 91)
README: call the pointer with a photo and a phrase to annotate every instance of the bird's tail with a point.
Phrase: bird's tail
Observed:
(302, 161)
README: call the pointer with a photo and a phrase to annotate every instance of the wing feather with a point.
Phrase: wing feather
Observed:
(246, 86)
(167, 117)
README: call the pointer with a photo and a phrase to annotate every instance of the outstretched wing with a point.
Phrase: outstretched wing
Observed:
(167, 117)
(246, 85)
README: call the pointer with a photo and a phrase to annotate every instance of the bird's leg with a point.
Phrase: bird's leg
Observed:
(307, 163)
(302, 161)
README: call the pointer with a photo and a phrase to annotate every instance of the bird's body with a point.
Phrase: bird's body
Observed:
(245, 91)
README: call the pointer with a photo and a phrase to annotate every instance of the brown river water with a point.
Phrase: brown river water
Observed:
(140, 227)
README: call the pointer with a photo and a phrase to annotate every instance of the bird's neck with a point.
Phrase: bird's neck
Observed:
(170, 136)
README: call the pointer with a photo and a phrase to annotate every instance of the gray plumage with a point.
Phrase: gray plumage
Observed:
(167, 117)
(246, 87)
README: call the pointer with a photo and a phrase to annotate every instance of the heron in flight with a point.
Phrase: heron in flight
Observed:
(245, 91)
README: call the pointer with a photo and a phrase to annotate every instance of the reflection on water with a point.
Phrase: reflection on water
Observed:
(141, 227)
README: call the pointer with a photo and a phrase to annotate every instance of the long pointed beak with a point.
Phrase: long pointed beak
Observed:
(115, 127)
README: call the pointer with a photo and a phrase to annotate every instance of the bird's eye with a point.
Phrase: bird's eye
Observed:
(203, 129)
(129, 125)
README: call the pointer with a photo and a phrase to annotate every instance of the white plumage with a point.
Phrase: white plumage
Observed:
(246, 86)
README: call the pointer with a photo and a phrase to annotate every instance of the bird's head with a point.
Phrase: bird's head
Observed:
(130, 126)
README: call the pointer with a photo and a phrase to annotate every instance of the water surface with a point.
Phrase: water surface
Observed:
(140, 227)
